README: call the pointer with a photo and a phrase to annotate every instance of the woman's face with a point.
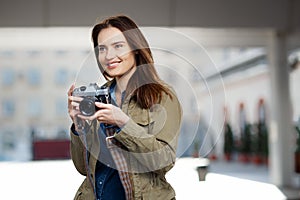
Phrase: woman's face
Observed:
(115, 54)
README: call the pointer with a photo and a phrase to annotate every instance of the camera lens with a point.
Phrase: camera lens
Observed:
(87, 107)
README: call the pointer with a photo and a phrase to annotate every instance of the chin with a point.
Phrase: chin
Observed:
(114, 75)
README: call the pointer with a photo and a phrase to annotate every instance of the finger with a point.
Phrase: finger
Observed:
(100, 105)
(75, 104)
(71, 89)
(103, 105)
(74, 98)
(100, 119)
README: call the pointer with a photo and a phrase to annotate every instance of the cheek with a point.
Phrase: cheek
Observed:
(101, 59)
(130, 59)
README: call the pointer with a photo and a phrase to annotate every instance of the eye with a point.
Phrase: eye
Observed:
(101, 49)
(119, 45)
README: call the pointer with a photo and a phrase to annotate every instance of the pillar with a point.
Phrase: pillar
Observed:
(281, 144)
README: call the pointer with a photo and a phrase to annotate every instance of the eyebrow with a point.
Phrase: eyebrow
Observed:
(114, 43)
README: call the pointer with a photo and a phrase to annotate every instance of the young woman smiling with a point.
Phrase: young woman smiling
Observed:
(130, 144)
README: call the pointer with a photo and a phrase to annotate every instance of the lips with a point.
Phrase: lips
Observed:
(113, 64)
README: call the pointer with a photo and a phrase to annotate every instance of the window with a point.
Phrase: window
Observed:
(7, 53)
(33, 53)
(8, 108)
(34, 107)
(8, 141)
(61, 107)
(61, 76)
(34, 77)
(7, 77)
(61, 52)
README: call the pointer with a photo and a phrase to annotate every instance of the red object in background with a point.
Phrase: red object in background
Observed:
(257, 159)
(227, 157)
(213, 157)
(297, 162)
(51, 149)
(244, 158)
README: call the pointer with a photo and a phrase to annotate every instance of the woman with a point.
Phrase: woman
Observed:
(126, 147)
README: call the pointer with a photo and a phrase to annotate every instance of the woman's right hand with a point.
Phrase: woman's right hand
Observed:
(73, 104)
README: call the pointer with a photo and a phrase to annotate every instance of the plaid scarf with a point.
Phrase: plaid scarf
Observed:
(115, 149)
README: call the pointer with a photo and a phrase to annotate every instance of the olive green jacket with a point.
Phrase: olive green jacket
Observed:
(150, 137)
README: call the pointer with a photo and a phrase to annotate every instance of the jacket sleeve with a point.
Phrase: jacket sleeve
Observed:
(79, 146)
(77, 153)
(153, 145)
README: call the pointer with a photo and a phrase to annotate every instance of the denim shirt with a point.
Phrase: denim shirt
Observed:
(108, 183)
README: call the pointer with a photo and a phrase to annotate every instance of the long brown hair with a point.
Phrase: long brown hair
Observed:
(145, 86)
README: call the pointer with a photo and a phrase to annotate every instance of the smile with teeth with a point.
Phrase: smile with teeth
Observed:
(113, 64)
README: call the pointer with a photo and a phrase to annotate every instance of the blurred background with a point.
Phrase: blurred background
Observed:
(235, 66)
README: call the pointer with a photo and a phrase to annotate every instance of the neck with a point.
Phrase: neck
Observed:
(122, 81)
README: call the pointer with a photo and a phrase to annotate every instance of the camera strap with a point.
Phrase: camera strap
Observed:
(84, 128)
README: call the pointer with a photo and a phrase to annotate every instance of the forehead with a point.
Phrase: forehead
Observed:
(110, 35)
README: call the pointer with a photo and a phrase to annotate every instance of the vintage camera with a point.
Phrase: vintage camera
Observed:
(91, 94)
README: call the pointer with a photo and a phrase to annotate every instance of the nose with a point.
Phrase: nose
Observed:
(110, 54)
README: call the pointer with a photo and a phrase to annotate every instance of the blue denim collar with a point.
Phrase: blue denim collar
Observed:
(112, 91)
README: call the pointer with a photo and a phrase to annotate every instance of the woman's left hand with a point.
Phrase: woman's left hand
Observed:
(108, 114)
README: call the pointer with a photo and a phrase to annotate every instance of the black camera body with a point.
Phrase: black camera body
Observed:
(91, 94)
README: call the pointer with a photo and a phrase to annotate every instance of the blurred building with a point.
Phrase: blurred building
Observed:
(30, 65)
(38, 66)
(35, 78)
(34, 82)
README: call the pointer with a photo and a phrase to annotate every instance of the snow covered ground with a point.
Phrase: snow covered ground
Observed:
(59, 180)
